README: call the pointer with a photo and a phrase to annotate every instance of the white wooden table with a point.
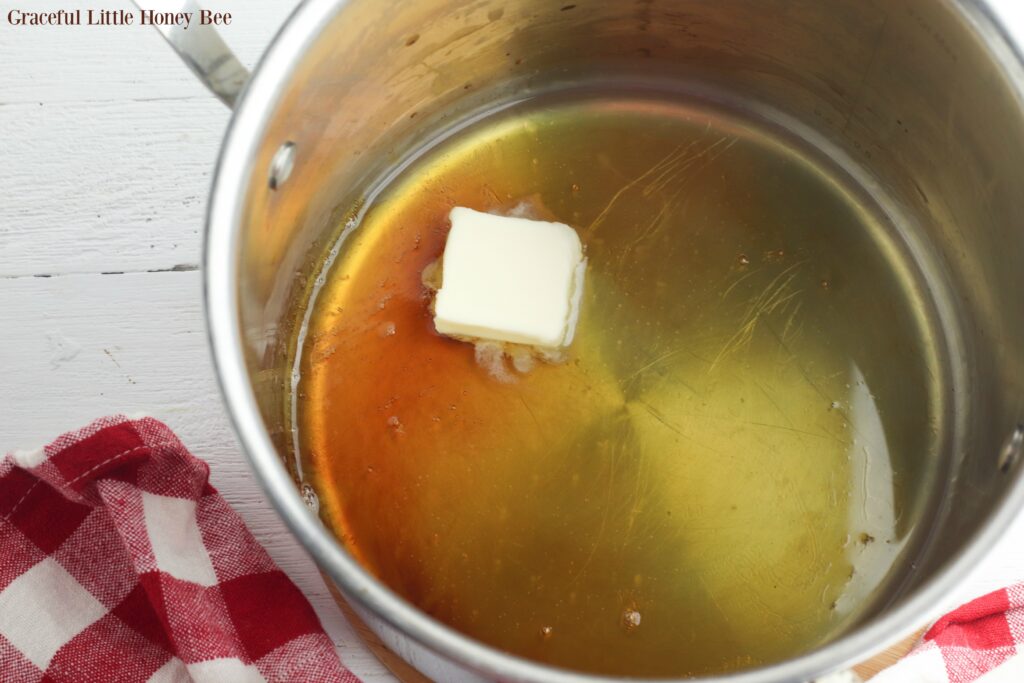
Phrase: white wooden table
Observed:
(107, 146)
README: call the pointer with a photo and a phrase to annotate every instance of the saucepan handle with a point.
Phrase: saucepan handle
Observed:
(202, 48)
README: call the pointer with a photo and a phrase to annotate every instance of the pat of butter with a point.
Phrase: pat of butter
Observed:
(509, 279)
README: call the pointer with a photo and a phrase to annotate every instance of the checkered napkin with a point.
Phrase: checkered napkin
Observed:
(119, 562)
(981, 642)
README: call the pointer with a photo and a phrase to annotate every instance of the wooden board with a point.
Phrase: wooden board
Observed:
(887, 657)
(395, 664)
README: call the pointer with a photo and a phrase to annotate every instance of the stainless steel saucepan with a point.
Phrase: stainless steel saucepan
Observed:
(924, 98)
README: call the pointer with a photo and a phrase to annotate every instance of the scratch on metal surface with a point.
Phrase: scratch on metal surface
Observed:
(773, 297)
(665, 172)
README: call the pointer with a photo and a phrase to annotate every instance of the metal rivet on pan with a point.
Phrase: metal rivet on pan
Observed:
(281, 165)
(1010, 453)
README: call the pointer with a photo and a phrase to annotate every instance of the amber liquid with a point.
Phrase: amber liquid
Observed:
(728, 468)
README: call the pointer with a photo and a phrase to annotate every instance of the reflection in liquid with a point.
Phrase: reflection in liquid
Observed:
(872, 500)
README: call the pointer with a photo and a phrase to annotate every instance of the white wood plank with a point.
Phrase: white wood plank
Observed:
(1004, 566)
(78, 347)
(97, 63)
(106, 186)
(109, 142)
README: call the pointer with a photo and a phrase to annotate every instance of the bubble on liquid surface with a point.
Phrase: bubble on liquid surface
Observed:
(431, 276)
(310, 498)
(395, 425)
(522, 360)
(491, 357)
(630, 620)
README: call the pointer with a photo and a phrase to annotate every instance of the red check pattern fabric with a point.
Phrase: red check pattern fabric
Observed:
(119, 562)
(982, 641)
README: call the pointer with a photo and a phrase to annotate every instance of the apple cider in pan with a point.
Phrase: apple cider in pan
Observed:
(726, 468)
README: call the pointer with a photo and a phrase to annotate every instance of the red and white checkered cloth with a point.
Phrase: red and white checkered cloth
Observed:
(981, 642)
(119, 562)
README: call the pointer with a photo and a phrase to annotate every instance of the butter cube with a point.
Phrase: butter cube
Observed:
(509, 279)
